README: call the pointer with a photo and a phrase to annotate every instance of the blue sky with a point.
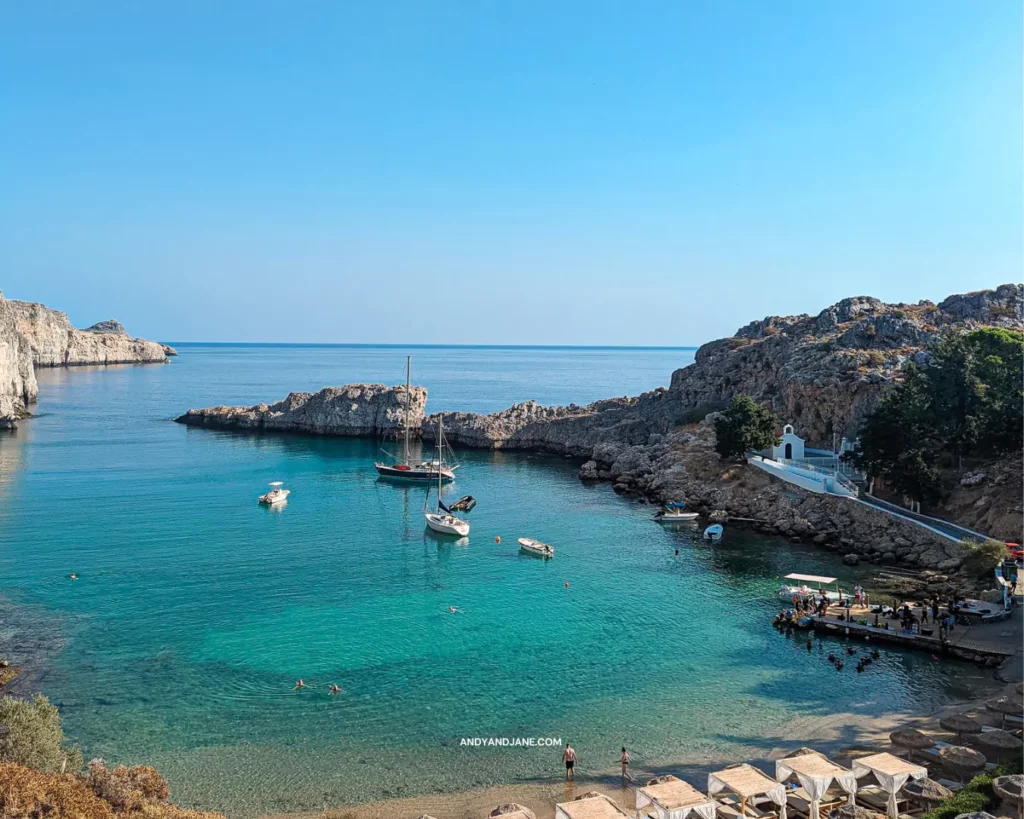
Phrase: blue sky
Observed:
(503, 172)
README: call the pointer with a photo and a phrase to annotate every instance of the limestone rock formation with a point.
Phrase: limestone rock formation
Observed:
(355, 410)
(18, 386)
(108, 326)
(54, 342)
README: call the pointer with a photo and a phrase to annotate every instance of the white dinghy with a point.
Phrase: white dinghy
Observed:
(535, 547)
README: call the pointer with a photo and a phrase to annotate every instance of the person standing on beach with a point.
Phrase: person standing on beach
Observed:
(624, 761)
(569, 758)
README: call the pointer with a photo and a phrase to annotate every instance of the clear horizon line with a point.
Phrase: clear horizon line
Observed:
(428, 345)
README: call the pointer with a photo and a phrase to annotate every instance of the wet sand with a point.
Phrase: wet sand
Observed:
(841, 736)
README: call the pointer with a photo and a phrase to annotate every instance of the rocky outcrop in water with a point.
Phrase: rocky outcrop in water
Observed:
(355, 410)
(18, 386)
(54, 341)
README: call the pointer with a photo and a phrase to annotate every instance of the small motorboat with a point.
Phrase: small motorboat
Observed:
(714, 532)
(797, 588)
(446, 524)
(275, 495)
(463, 504)
(535, 547)
(674, 512)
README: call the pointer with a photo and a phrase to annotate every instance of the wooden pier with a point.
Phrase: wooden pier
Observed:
(986, 643)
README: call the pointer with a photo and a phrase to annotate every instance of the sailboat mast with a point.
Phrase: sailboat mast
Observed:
(408, 400)
(440, 443)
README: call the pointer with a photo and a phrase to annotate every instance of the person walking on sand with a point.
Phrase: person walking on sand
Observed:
(569, 758)
(624, 762)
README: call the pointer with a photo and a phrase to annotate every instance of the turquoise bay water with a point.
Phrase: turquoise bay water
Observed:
(196, 610)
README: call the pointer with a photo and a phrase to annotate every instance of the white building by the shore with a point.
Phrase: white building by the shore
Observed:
(790, 447)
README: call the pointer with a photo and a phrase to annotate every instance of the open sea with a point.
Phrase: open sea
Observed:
(196, 610)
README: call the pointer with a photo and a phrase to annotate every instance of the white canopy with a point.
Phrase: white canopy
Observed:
(746, 781)
(673, 798)
(892, 774)
(816, 773)
(596, 806)
(810, 578)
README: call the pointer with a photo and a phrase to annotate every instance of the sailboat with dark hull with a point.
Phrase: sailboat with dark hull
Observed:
(405, 469)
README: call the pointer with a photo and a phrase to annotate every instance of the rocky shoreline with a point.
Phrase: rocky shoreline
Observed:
(33, 335)
(821, 373)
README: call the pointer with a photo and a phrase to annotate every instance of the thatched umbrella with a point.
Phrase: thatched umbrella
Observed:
(1019, 688)
(1005, 706)
(911, 739)
(1011, 789)
(426, 816)
(960, 724)
(927, 790)
(960, 760)
(513, 809)
(978, 815)
(998, 742)
(854, 812)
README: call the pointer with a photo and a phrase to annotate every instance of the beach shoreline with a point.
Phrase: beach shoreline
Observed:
(840, 736)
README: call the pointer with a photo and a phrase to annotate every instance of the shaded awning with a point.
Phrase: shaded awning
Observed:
(891, 772)
(816, 773)
(747, 781)
(673, 798)
(590, 806)
(811, 578)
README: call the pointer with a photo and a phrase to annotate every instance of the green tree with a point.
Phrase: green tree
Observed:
(997, 358)
(34, 736)
(744, 426)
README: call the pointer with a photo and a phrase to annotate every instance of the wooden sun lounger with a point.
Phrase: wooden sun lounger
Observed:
(878, 800)
(799, 801)
(729, 808)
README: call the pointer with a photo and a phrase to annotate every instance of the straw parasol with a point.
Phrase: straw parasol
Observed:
(998, 741)
(979, 815)
(911, 739)
(855, 812)
(1019, 688)
(1011, 789)
(960, 724)
(512, 809)
(961, 760)
(927, 790)
(426, 816)
(1005, 706)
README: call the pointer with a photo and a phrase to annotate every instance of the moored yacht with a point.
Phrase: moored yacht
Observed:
(442, 520)
(406, 470)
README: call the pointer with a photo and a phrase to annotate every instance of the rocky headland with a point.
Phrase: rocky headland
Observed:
(32, 335)
(55, 342)
(355, 410)
(821, 373)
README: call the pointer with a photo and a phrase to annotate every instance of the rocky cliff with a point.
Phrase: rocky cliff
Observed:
(355, 410)
(54, 342)
(17, 378)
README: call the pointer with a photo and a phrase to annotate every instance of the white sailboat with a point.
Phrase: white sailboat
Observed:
(406, 470)
(442, 520)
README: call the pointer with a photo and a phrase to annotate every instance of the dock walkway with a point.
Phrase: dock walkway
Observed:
(988, 643)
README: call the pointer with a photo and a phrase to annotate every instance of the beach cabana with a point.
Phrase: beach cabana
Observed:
(591, 805)
(891, 772)
(671, 798)
(747, 782)
(512, 810)
(816, 773)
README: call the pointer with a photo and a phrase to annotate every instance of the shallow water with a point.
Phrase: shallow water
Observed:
(196, 610)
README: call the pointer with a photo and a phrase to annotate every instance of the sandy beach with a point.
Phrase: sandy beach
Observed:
(841, 736)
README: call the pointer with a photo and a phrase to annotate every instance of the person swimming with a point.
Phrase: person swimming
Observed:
(299, 685)
(453, 610)
(74, 576)
(334, 689)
